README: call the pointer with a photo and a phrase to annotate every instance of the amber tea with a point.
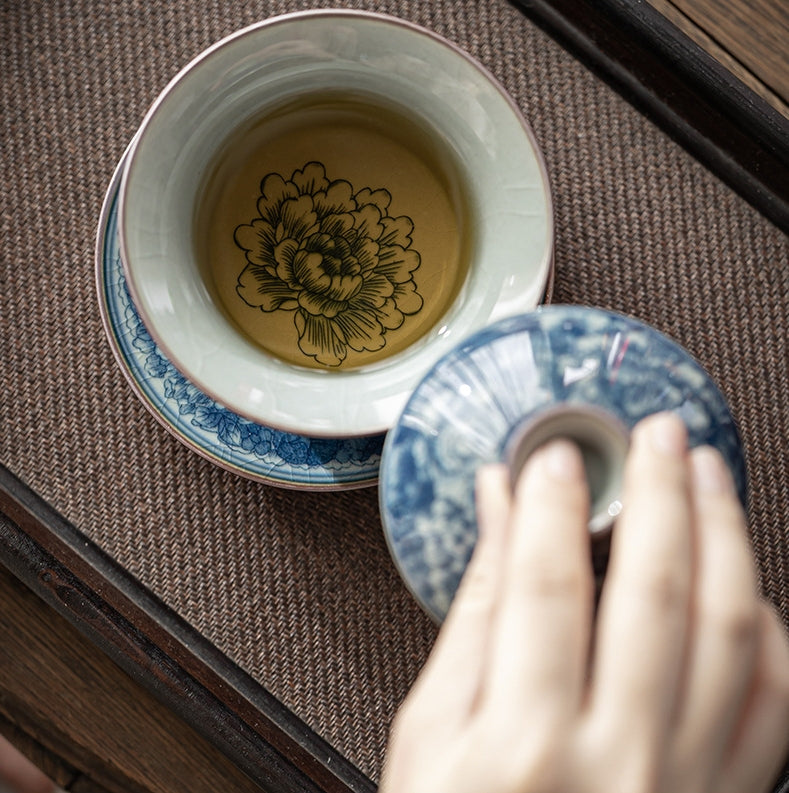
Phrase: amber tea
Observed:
(333, 231)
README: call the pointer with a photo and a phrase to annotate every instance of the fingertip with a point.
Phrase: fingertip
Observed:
(717, 508)
(710, 472)
(558, 460)
(552, 484)
(657, 470)
(663, 432)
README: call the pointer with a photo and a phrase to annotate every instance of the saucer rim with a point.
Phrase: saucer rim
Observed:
(221, 460)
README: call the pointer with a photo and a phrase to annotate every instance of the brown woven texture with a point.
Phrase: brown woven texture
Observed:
(298, 589)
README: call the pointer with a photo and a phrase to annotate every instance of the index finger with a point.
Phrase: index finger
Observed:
(453, 672)
(540, 636)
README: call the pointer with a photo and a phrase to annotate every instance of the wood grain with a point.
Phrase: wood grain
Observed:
(764, 69)
(756, 33)
(70, 699)
(163, 654)
(53, 682)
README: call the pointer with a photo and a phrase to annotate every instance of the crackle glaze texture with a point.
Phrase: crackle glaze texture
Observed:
(342, 296)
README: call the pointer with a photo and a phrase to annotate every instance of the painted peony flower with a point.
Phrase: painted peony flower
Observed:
(334, 257)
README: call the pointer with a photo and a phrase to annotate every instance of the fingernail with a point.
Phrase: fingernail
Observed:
(666, 434)
(710, 472)
(560, 459)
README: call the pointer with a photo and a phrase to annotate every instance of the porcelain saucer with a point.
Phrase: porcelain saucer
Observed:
(235, 443)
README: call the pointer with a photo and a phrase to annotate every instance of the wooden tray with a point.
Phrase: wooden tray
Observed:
(727, 127)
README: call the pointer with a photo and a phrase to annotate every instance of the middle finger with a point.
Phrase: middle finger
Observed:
(644, 607)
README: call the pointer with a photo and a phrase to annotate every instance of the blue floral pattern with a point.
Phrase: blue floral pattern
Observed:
(251, 449)
(462, 413)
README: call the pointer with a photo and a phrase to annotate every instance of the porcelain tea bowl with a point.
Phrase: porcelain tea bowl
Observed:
(322, 258)
(582, 373)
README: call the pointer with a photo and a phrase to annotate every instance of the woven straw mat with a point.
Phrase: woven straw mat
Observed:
(298, 589)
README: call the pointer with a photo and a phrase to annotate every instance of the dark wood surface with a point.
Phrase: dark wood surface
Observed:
(85, 721)
(753, 34)
(683, 83)
(751, 40)
(93, 727)
(159, 651)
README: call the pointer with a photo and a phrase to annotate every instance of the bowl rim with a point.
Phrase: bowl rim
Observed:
(544, 272)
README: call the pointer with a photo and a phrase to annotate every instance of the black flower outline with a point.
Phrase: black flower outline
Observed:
(333, 256)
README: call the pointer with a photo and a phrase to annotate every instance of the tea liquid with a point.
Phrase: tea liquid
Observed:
(332, 232)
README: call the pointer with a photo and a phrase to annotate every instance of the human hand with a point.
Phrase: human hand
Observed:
(680, 685)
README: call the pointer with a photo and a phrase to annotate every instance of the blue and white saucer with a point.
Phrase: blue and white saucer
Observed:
(462, 413)
(227, 439)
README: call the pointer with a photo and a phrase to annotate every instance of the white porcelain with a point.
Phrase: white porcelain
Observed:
(511, 254)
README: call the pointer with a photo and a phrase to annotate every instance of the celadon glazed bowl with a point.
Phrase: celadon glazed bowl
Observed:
(330, 256)
(560, 370)
(245, 448)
